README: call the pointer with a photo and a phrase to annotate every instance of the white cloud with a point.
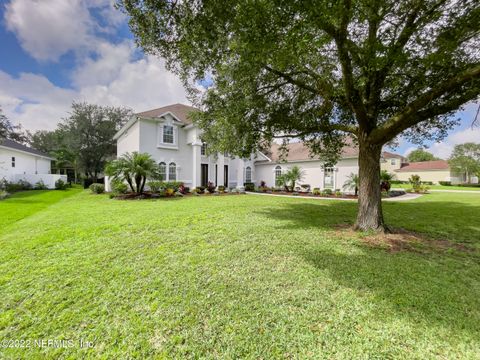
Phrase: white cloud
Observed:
(444, 148)
(48, 29)
(115, 78)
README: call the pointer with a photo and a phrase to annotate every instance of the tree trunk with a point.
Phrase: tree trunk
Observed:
(370, 216)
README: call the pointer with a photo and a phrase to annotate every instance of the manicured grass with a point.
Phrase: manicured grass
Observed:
(26, 203)
(239, 277)
(438, 187)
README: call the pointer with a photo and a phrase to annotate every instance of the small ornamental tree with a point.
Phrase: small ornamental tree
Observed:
(320, 71)
(134, 168)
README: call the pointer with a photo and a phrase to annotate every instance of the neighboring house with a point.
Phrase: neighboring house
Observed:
(432, 171)
(168, 135)
(20, 162)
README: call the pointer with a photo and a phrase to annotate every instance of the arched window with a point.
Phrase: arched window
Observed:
(162, 171)
(172, 172)
(248, 174)
(278, 174)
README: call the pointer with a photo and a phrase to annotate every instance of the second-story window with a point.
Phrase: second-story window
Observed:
(393, 161)
(203, 150)
(168, 134)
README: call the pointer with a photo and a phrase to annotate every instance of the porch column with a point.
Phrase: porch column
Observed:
(220, 164)
(196, 162)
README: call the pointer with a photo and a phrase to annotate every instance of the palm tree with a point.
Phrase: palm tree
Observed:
(134, 168)
(352, 183)
(386, 178)
(295, 174)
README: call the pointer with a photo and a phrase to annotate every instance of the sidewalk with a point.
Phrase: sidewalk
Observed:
(405, 197)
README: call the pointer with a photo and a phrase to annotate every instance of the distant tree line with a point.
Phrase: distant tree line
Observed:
(83, 141)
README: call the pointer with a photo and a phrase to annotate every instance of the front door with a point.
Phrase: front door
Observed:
(225, 176)
(204, 175)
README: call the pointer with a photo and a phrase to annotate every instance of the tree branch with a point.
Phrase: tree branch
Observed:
(410, 116)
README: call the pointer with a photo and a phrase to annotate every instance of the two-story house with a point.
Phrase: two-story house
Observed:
(174, 142)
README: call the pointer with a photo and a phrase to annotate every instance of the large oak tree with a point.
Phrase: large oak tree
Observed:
(321, 71)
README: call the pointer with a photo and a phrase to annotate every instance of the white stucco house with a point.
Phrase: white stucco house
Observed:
(174, 142)
(20, 162)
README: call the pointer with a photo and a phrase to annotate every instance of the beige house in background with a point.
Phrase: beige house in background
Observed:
(434, 171)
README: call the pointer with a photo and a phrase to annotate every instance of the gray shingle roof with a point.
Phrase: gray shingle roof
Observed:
(16, 146)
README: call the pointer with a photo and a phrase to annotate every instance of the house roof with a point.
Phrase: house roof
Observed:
(19, 147)
(425, 166)
(180, 111)
(389, 155)
(298, 151)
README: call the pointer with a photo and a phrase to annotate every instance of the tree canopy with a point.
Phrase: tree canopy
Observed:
(419, 155)
(10, 131)
(320, 71)
(84, 140)
(465, 160)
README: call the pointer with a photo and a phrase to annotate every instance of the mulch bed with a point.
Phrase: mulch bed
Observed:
(399, 239)
(150, 195)
(392, 193)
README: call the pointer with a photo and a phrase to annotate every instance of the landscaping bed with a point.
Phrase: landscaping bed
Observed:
(334, 195)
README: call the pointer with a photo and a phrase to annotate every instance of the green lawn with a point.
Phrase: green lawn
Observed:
(241, 276)
(438, 187)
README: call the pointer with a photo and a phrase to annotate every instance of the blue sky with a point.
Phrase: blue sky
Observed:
(58, 51)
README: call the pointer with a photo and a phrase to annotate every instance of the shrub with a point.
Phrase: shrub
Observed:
(40, 185)
(263, 184)
(316, 191)
(338, 193)
(25, 184)
(327, 192)
(249, 186)
(445, 183)
(119, 187)
(263, 189)
(210, 187)
(221, 188)
(61, 185)
(3, 194)
(182, 189)
(155, 186)
(199, 189)
(414, 180)
(169, 192)
(97, 188)
(13, 187)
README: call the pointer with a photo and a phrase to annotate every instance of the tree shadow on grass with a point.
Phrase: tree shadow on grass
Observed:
(429, 292)
(434, 288)
(453, 221)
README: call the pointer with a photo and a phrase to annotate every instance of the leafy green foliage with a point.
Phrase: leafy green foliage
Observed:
(134, 168)
(96, 188)
(10, 131)
(419, 155)
(352, 183)
(40, 185)
(465, 160)
(60, 185)
(327, 73)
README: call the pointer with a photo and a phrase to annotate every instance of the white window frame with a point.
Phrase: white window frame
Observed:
(163, 165)
(331, 171)
(248, 171)
(203, 149)
(170, 166)
(160, 139)
(277, 171)
(393, 161)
